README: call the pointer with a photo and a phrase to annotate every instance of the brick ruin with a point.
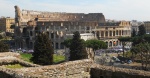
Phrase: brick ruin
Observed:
(60, 24)
(23, 17)
(85, 68)
(73, 69)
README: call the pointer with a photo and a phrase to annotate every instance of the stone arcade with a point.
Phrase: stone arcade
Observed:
(60, 25)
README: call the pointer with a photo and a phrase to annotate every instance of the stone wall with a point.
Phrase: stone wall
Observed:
(13, 60)
(5, 54)
(7, 58)
(99, 71)
(24, 16)
(72, 69)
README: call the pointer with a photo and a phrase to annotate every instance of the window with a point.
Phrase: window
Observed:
(113, 33)
(77, 23)
(61, 24)
(52, 35)
(75, 17)
(31, 34)
(62, 46)
(51, 23)
(106, 28)
(57, 46)
(82, 17)
(87, 28)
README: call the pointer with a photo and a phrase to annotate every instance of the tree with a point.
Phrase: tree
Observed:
(43, 50)
(77, 48)
(67, 42)
(147, 38)
(142, 30)
(133, 34)
(4, 47)
(1, 37)
(124, 41)
(96, 44)
(143, 50)
(12, 26)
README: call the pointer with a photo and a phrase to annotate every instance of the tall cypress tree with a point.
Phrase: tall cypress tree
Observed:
(4, 47)
(77, 48)
(43, 50)
(142, 30)
(133, 34)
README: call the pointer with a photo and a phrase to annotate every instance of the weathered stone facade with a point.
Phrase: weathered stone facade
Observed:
(85, 68)
(147, 26)
(57, 24)
(60, 25)
(29, 17)
(73, 69)
(5, 24)
(100, 71)
(13, 58)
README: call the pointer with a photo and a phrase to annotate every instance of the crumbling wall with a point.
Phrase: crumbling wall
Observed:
(72, 69)
(100, 71)
(24, 16)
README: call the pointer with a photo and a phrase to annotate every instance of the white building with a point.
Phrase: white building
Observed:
(84, 36)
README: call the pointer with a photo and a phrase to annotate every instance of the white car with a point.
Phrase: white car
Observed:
(30, 51)
(118, 50)
(24, 51)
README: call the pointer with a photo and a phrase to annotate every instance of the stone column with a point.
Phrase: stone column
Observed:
(84, 29)
(59, 43)
(99, 33)
(108, 44)
(104, 33)
(69, 28)
(90, 29)
(112, 43)
(54, 45)
(108, 33)
(112, 33)
(54, 39)
(95, 34)
(49, 33)
(59, 33)
(121, 33)
(79, 29)
(115, 32)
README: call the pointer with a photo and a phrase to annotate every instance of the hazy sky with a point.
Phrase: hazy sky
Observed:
(112, 9)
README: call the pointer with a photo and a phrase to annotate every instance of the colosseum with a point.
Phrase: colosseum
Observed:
(60, 25)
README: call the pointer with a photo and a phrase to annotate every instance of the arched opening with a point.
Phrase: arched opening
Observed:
(110, 44)
(114, 43)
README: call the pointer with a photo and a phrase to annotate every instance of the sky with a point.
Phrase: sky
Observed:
(112, 9)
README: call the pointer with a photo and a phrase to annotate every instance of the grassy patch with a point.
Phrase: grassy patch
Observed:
(128, 54)
(14, 66)
(56, 58)
(26, 57)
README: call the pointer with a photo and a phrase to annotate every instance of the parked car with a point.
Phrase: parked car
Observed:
(115, 59)
(30, 51)
(24, 51)
(129, 61)
(12, 50)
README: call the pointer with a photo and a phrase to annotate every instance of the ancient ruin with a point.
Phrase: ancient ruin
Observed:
(73, 69)
(60, 25)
